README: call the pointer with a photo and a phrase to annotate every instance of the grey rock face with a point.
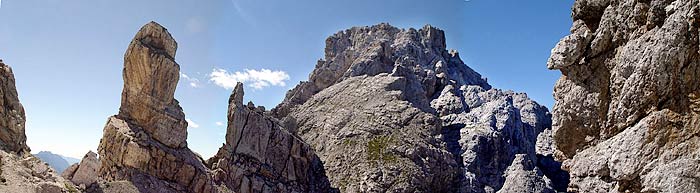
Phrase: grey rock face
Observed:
(261, 156)
(12, 137)
(626, 113)
(391, 110)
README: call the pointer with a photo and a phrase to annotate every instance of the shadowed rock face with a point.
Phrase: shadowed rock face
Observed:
(261, 156)
(12, 137)
(626, 112)
(146, 142)
(391, 110)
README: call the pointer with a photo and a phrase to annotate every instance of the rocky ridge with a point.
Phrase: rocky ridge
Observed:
(421, 120)
(626, 116)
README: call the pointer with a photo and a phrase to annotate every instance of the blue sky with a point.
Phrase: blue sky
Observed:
(67, 55)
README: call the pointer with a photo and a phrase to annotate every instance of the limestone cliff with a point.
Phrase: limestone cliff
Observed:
(391, 110)
(627, 107)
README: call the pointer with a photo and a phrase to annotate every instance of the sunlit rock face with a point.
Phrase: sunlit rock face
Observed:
(85, 172)
(150, 77)
(146, 142)
(627, 103)
(391, 110)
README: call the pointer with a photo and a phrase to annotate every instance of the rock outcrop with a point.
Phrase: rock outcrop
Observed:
(21, 171)
(146, 142)
(83, 173)
(144, 146)
(261, 156)
(391, 110)
(12, 137)
(627, 107)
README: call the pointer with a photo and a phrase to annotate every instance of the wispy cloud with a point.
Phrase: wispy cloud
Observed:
(257, 79)
(193, 82)
(242, 13)
(219, 123)
(191, 123)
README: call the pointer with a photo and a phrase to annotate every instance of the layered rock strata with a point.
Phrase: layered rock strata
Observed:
(391, 110)
(146, 142)
(626, 117)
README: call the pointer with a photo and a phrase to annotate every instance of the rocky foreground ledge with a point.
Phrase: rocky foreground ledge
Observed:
(627, 112)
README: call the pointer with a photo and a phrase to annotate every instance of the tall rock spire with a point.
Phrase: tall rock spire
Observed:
(12, 136)
(146, 143)
(150, 77)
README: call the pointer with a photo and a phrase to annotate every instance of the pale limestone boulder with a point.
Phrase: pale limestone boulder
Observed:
(85, 172)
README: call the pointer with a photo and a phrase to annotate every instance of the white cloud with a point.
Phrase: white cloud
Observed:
(191, 123)
(219, 123)
(193, 82)
(257, 79)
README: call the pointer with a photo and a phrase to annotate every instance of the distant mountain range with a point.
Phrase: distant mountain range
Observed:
(56, 161)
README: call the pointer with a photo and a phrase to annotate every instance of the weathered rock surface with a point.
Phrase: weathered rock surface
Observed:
(12, 137)
(146, 143)
(391, 110)
(27, 174)
(627, 107)
(150, 77)
(261, 156)
(85, 172)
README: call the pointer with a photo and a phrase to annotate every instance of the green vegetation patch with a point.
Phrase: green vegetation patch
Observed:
(377, 149)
